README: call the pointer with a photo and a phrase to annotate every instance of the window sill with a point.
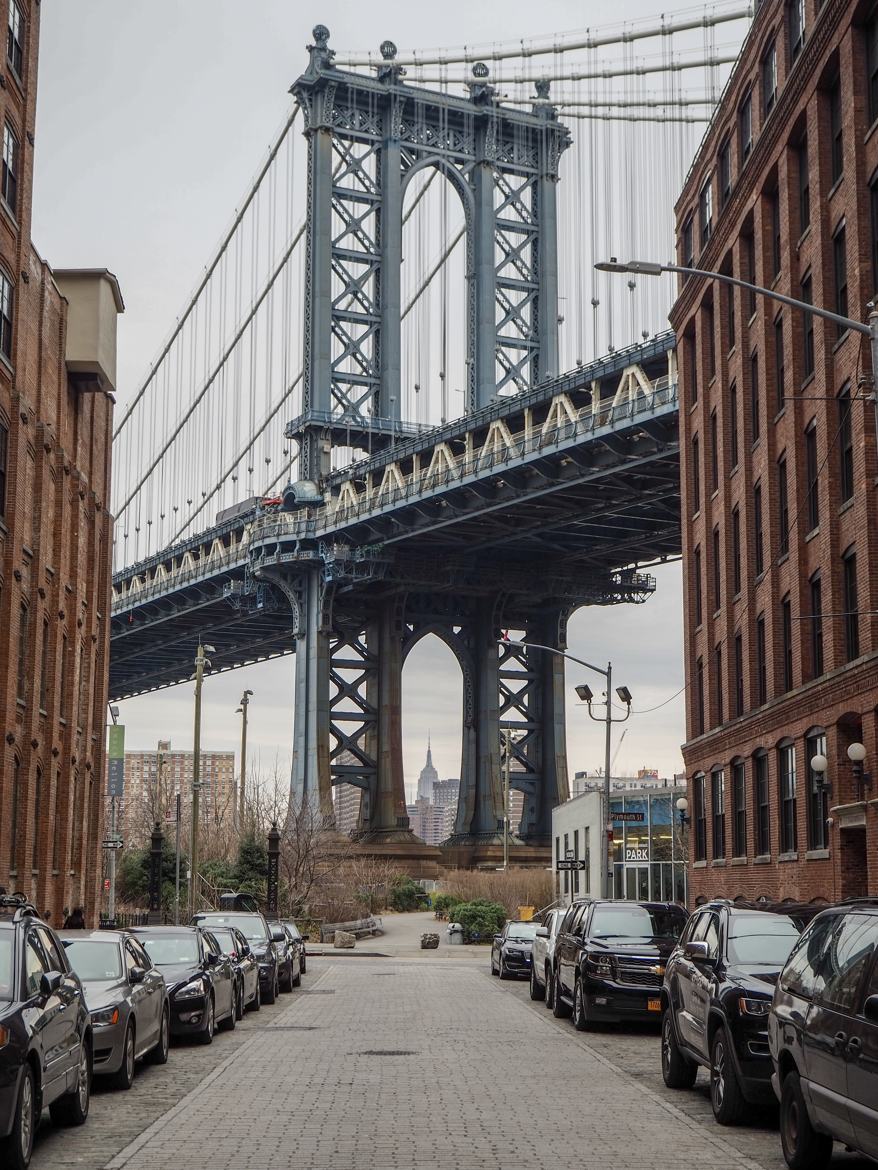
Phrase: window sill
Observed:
(780, 414)
(714, 493)
(814, 532)
(9, 214)
(803, 237)
(737, 596)
(21, 704)
(807, 380)
(734, 471)
(794, 856)
(782, 559)
(738, 861)
(4, 361)
(817, 855)
(835, 186)
(718, 863)
(732, 351)
(759, 578)
(846, 506)
(699, 865)
(762, 859)
(870, 131)
(755, 443)
(841, 340)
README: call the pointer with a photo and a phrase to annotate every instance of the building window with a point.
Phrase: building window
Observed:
(44, 668)
(62, 674)
(22, 675)
(4, 456)
(749, 245)
(758, 535)
(705, 211)
(730, 314)
(35, 839)
(688, 243)
(818, 796)
(787, 789)
(804, 178)
(724, 172)
(736, 551)
(754, 397)
(779, 368)
(692, 368)
(745, 127)
(811, 475)
(797, 28)
(872, 63)
(783, 508)
(733, 420)
(696, 584)
(14, 813)
(714, 453)
(699, 697)
(15, 38)
(717, 574)
(873, 205)
(840, 265)
(696, 476)
(761, 662)
(6, 307)
(786, 625)
(816, 626)
(760, 804)
(709, 340)
(835, 132)
(769, 78)
(699, 817)
(718, 796)
(739, 803)
(739, 674)
(846, 445)
(851, 617)
(776, 257)
(808, 356)
(718, 682)
(10, 168)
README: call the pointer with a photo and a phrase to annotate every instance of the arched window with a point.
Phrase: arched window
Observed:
(786, 769)
(818, 791)
(739, 808)
(35, 839)
(718, 808)
(699, 817)
(761, 809)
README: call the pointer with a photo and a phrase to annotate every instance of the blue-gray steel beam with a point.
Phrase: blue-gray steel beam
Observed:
(310, 780)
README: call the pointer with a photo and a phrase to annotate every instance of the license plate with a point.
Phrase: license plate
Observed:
(653, 1005)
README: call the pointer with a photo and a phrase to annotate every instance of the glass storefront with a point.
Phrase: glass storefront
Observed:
(649, 846)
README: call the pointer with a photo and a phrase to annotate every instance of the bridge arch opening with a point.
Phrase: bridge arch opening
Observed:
(432, 731)
(434, 340)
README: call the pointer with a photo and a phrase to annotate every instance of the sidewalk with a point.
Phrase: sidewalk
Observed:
(402, 939)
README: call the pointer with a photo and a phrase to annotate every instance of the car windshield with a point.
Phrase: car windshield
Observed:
(167, 949)
(6, 965)
(94, 960)
(522, 931)
(634, 921)
(762, 939)
(292, 930)
(252, 926)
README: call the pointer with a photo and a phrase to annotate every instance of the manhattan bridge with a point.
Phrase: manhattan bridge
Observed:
(399, 403)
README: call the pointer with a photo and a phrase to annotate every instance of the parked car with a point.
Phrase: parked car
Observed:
(262, 940)
(716, 995)
(610, 958)
(289, 968)
(543, 952)
(232, 943)
(511, 951)
(46, 1054)
(126, 997)
(299, 941)
(823, 1037)
(199, 976)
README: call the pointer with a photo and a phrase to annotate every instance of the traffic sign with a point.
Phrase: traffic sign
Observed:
(106, 883)
(569, 865)
(116, 843)
(569, 854)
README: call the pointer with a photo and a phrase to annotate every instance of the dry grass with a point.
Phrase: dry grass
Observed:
(512, 888)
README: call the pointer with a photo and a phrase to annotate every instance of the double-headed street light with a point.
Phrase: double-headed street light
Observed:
(242, 711)
(201, 660)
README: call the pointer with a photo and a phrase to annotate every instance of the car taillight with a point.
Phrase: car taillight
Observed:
(4, 1036)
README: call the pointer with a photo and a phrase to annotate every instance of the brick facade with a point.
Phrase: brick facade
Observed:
(792, 206)
(55, 545)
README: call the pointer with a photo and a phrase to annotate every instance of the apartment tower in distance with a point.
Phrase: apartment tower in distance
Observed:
(57, 377)
(777, 436)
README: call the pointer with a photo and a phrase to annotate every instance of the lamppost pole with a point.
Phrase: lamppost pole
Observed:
(200, 662)
(507, 752)
(245, 703)
(870, 329)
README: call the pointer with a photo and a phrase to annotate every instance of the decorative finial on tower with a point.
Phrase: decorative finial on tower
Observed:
(479, 89)
(321, 54)
(542, 105)
(387, 71)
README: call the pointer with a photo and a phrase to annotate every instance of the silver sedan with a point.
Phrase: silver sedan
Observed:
(126, 997)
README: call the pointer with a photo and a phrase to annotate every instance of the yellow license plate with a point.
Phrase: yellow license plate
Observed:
(653, 1005)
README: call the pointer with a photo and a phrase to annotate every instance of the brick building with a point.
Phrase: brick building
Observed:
(779, 462)
(57, 374)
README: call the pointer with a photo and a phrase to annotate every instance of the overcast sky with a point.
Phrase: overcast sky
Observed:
(152, 117)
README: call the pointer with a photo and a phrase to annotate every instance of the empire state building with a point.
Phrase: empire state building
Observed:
(427, 778)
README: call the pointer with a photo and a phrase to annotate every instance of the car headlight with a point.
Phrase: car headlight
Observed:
(105, 1017)
(190, 990)
(755, 1007)
(602, 964)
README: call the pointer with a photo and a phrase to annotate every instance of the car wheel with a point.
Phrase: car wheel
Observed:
(257, 998)
(205, 1036)
(72, 1108)
(803, 1147)
(288, 977)
(550, 988)
(303, 966)
(297, 982)
(560, 1010)
(726, 1098)
(15, 1150)
(124, 1078)
(537, 991)
(158, 1054)
(678, 1072)
(230, 1022)
(271, 995)
(503, 973)
(493, 968)
(581, 1022)
(239, 1001)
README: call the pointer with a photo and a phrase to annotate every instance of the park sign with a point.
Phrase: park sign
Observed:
(116, 761)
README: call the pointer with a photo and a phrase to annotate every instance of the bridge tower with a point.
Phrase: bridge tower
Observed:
(367, 138)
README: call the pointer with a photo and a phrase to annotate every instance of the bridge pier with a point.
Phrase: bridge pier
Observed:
(310, 781)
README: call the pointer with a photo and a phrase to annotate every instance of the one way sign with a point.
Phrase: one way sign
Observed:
(565, 865)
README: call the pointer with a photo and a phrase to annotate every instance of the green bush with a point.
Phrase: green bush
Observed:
(442, 903)
(405, 895)
(480, 920)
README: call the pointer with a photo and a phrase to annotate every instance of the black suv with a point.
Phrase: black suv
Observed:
(200, 978)
(45, 1032)
(716, 996)
(266, 943)
(610, 958)
(823, 1037)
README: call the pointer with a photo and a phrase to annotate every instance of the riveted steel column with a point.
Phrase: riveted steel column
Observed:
(550, 712)
(317, 394)
(390, 405)
(547, 321)
(480, 805)
(310, 778)
(484, 272)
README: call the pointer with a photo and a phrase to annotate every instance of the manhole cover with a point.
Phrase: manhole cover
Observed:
(287, 1028)
(385, 1052)
(315, 991)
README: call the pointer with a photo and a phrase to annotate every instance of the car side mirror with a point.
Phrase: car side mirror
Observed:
(136, 975)
(699, 951)
(278, 936)
(870, 1008)
(50, 981)
(542, 932)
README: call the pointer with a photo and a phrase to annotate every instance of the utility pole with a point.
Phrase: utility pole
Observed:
(200, 662)
(177, 873)
(242, 784)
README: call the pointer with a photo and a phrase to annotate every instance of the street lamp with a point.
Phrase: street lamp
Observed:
(683, 811)
(856, 755)
(201, 660)
(651, 268)
(242, 711)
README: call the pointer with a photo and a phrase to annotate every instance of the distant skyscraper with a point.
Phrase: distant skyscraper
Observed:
(346, 798)
(428, 777)
(446, 792)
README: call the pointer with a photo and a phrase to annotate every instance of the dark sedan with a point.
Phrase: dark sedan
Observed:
(298, 940)
(263, 941)
(289, 957)
(232, 943)
(199, 976)
(511, 953)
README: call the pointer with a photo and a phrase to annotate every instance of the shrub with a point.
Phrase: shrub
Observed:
(406, 895)
(511, 888)
(442, 903)
(480, 920)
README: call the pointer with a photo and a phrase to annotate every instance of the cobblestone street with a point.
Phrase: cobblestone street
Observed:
(397, 1062)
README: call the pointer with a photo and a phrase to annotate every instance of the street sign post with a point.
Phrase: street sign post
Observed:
(569, 864)
(112, 843)
(115, 791)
